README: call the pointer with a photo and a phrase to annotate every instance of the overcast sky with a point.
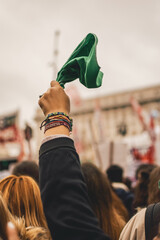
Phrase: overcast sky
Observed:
(128, 50)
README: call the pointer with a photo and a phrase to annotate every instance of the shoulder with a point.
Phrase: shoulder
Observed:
(120, 185)
(135, 228)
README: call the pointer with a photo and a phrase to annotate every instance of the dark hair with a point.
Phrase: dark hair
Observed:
(115, 173)
(141, 189)
(27, 168)
(100, 196)
(143, 166)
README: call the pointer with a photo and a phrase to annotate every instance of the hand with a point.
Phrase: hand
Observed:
(54, 100)
(11, 232)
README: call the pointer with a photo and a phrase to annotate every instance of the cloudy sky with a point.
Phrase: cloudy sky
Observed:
(128, 50)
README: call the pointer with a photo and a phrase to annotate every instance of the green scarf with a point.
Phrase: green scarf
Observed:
(82, 64)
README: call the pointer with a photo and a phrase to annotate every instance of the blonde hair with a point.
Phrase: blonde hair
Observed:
(22, 196)
(29, 233)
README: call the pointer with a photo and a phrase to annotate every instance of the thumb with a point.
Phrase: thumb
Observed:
(54, 83)
(11, 232)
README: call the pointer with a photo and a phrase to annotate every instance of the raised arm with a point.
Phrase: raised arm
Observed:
(63, 190)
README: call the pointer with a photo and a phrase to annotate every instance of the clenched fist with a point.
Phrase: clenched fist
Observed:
(54, 100)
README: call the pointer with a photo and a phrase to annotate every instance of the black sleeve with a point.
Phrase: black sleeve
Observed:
(64, 193)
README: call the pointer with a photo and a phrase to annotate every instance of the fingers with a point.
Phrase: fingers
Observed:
(53, 83)
(54, 100)
(11, 232)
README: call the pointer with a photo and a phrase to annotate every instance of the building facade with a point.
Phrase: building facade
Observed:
(108, 119)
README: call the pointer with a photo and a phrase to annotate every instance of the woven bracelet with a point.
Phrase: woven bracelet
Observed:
(57, 116)
(67, 122)
(56, 124)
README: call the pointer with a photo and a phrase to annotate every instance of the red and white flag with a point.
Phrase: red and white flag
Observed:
(146, 120)
(10, 132)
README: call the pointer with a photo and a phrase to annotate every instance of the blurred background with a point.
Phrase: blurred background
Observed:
(116, 123)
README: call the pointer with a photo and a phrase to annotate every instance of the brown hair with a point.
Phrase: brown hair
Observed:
(22, 196)
(153, 190)
(29, 233)
(141, 190)
(121, 209)
(100, 196)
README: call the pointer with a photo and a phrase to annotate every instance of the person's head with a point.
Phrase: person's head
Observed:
(100, 196)
(141, 189)
(115, 173)
(22, 196)
(27, 168)
(23, 232)
(153, 190)
(143, 168)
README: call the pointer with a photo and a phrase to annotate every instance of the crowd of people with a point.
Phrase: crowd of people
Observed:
(62, 199)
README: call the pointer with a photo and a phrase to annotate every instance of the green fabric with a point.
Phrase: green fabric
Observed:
(82, 64)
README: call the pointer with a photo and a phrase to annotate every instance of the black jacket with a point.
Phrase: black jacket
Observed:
(64, 193)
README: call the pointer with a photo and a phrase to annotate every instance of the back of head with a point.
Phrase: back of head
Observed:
(153, 187)
(141, 188)
(100, 196)
(115, 173)
(29, 233)
(22, 196)
(144, 167)
(27, 168)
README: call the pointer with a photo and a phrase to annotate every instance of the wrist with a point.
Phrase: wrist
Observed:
(57, 130)
(57, 123)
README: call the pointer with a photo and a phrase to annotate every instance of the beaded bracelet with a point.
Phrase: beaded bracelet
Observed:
(58, 113)
(57, 119)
